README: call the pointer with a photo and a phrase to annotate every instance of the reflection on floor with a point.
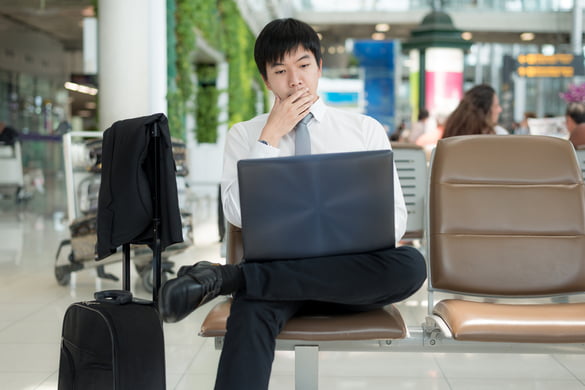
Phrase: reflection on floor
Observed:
(32, 306)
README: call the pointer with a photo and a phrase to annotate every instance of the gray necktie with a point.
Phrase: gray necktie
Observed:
(302, 138)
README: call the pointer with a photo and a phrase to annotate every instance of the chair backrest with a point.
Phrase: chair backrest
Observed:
(506, 216)
(411, 165)
(235, 247)
(581, 158)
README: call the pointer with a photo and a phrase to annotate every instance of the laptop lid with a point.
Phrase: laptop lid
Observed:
(316, 205)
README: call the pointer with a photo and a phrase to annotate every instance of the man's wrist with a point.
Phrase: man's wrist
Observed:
(262, 141)
(271, 137)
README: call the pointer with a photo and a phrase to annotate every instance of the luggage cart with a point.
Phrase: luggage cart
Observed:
(82, 160)
(11, 172)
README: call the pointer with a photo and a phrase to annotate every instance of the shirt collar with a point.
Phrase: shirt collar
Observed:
(318, 110)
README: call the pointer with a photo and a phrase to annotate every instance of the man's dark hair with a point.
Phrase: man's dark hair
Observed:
(280, 37)
(576, 111)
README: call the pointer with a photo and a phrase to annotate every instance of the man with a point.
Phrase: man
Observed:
(575, 121)
(267, 294)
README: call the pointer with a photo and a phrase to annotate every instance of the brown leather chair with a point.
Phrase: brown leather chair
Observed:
(580, 150)
(306, 335)
(506, 221)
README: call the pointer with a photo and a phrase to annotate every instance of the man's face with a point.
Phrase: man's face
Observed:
(297, 70)
(570, 123)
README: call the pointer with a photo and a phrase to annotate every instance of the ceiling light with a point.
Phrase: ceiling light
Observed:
(81, 88)
(527, 36)
(467, 35)
(382, 27)
(378, 36)
(548, 50)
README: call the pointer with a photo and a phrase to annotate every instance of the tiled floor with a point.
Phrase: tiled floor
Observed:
(32, 306)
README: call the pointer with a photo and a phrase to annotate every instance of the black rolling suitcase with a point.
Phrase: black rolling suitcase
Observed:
(113, 342)
(116, 341)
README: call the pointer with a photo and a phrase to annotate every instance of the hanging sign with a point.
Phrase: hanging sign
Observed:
(554, 66)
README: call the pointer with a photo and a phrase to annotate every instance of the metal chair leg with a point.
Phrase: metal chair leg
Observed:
(306, 367)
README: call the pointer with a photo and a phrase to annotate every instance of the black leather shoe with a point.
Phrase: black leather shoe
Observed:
(194, 286)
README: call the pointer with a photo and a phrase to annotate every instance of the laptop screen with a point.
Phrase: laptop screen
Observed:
(316, 205)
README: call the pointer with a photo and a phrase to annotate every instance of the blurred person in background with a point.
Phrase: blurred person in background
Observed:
(477, 113)
(430, 138)
(575, 121)
(523, 127)
(8, 135)
(424, 125)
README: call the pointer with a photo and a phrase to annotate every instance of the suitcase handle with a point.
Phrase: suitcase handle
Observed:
(118, 297)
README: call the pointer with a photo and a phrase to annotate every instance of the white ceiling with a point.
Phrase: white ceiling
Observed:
(335, 19)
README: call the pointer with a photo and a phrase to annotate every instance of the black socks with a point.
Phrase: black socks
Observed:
(233, 278)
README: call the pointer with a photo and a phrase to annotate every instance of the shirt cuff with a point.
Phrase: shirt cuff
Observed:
(261, 150)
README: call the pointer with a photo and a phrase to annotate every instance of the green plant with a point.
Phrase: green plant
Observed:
(220, 24)
(206, 110)
(239, 50)
(175, 101)
(181, 91)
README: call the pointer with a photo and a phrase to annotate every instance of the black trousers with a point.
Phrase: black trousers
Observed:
(278, 290)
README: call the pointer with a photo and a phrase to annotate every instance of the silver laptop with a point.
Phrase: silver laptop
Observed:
(316, 205)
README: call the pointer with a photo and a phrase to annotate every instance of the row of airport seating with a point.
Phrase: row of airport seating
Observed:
(504, 232)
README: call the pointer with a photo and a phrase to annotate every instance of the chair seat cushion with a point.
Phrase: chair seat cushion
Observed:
(386, 323)
(528, 323)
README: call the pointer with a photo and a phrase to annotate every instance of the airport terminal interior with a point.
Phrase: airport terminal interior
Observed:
(49, 93)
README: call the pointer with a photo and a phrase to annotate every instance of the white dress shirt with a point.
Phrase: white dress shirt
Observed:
(331, 130)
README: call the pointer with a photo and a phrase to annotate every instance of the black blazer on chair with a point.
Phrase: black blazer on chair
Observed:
(125, 204)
